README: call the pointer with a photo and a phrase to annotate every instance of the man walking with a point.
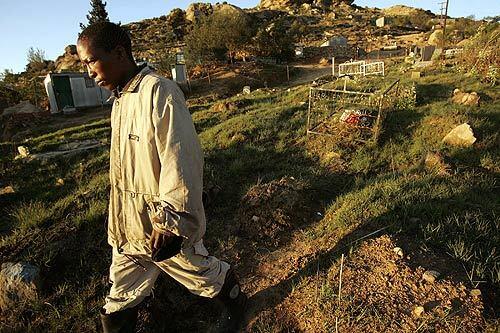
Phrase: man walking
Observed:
(156, 216)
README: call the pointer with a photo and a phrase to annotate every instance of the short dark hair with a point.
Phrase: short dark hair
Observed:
(107, 36)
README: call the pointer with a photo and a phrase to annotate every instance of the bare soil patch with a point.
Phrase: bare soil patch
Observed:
(380, 292)
(268, 209)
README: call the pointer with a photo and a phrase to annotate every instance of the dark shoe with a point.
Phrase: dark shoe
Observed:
(234, 301)
(123, 321)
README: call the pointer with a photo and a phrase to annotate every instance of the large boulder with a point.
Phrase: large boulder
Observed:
(70, 49)
(229, 9)
(198, 9)
(460, 136)
(436, 37)
(69, 61)
(19, 282)
(464, 98)
(402, 10)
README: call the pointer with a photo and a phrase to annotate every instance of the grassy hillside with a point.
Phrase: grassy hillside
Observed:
(283, 208)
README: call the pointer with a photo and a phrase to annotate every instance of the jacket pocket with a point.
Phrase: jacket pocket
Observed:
(138, 224)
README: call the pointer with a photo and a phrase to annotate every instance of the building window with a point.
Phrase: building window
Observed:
(89, 83)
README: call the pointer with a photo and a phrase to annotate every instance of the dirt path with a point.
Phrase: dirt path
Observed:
(309, 73)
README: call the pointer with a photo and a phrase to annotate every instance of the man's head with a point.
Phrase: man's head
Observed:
(106, 50)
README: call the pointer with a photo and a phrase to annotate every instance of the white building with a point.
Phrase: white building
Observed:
(72, 91)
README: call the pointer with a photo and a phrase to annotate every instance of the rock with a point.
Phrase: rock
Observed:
(475, 292)
(323, 62)
(306, 7)
(464, 98)
(417, 311)
(461, 136)
(401, 10)
(416, 75)
(7, 190)
(224, 106)
(70, 49)
(23, 151)
(19, 282)
(69, 61)
(436, 37)
(255, 218)
(291, 4)
(246, 89)
(430, 276)
(398, 251)
(229, 9)
(22, 107)
(410, 60)
(196, 10)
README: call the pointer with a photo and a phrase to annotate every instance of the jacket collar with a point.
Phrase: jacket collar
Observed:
(132, 85)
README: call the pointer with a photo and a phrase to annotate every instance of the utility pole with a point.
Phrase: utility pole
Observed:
(444, 17)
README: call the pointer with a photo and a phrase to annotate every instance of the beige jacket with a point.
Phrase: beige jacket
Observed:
(156, 166)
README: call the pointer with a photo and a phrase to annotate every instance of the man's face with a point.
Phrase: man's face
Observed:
(104, 67)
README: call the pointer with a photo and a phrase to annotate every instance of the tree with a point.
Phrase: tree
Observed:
(8, 77)
(218, 37)
(36, 59)
(35, 55)
(275, 40)
(98, 13)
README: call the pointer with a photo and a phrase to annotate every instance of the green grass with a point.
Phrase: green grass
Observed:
(30, 215)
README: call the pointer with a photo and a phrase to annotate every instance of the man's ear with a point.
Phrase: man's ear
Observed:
(120, 52)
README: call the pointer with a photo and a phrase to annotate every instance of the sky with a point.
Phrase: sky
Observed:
(50, 25)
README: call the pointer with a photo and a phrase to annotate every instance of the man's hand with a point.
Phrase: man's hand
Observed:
(158, 239)
(164, 245)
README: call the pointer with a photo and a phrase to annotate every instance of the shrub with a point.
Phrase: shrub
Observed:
(481, 56)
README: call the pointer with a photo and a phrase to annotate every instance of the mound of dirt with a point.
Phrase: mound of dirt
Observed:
(14, 126)
(267, 209)
(224, 106)
(381, 292)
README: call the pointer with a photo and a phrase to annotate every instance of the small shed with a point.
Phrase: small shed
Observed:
(71, 91)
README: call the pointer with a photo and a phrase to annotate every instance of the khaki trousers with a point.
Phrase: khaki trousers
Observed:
(133, 276)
